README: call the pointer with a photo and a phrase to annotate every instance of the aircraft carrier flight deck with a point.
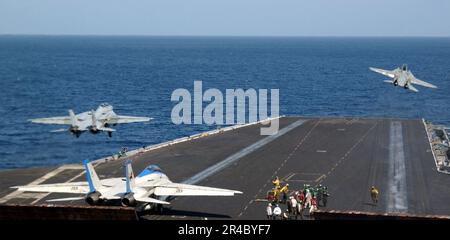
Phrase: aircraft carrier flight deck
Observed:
(348, 155)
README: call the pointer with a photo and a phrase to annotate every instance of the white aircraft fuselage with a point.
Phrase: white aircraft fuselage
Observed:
(149, 190)
(402, 77)
(96, 121)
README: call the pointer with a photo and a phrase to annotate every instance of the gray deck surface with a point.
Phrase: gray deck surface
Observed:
(347, 155)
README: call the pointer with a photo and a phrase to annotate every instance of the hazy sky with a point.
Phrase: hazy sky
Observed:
(227, 17)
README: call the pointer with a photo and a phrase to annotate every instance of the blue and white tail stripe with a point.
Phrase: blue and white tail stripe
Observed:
(92, 178)
(129, 177)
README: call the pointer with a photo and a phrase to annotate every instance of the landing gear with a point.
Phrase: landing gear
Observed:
(395, 83)
(109, 134)
(159, 209)
(324, 200)
(149, 209)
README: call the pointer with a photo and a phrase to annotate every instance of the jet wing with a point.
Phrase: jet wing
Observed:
(422, 83)
(73, 187)
(151, 200)
(178, 189)
(112, 188)
(65, 199)
(412, 88)
(384, 72)
(127, 119)
(52, 120)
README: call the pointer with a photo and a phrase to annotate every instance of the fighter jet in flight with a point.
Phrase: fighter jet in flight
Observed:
(402, 77)
(149, 190)
(92, 121)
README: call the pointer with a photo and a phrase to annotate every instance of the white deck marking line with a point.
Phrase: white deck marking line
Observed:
(245, 208)
(349, 151)
(295, 149)
(288, 157)
(320, 178)
(397, 197)
(137, 152)
(40, 180)
(289, 176)
(240, 154)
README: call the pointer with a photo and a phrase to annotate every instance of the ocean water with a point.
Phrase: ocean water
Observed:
(44, 76)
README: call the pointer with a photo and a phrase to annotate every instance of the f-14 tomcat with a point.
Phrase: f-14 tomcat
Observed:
(92, 121)
(149, 190)
(403, 77)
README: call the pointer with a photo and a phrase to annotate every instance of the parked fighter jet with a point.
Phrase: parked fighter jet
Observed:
(93, 121)
(146, 191)
(403, 77)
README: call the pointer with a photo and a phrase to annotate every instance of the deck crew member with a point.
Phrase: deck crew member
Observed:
(299, 210)
(313, 207)
(276, 183)
(286, 215)
(308, 198)
(276, 212)
(374, 194)
(294, 206)
(269, 211)
(284, 190)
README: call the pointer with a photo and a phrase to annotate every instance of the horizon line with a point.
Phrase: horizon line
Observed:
(231, 36)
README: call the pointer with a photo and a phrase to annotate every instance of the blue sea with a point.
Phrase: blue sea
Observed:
(44, 76)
